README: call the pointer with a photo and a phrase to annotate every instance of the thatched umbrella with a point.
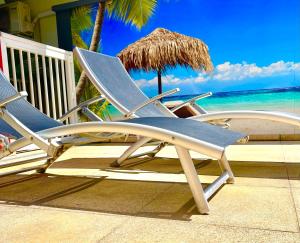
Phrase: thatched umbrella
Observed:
(164, 49)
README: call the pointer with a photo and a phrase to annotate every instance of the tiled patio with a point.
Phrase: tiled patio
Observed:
(82, 199)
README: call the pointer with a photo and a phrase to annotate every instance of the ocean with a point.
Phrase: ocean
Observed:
(279, 99)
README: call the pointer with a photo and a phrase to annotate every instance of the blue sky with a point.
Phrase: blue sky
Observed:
(254, 44)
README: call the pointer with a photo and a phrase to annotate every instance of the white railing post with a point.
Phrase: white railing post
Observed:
(70, 83)
(4, 60)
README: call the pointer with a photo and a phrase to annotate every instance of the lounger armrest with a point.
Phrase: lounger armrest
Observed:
(191, 101)
(15, 97)
(81, 106)
(154, 99)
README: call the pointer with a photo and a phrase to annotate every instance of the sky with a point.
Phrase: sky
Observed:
(254, 44)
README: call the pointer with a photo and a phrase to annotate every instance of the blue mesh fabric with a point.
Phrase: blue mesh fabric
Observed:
(112, 80)
(194, 129)
(23, 111)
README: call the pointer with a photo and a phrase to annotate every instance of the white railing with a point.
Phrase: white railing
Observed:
(45, 72)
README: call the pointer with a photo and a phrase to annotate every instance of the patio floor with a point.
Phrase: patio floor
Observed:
(82, 199)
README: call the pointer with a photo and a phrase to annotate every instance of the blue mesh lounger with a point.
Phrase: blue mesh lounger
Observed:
(21, 120)
(109, 76)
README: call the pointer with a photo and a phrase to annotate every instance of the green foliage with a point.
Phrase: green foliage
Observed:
(135, 12)
(103, 111)
(100, 109)
(80, 20)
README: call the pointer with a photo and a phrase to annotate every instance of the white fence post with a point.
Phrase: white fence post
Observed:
(4, 57)
(70, 84)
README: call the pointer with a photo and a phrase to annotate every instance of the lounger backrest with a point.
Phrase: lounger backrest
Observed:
(111, 79)
(23, 111)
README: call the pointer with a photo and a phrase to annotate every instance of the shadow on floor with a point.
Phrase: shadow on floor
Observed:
(139, 198)
(270, 170)
(93, 194)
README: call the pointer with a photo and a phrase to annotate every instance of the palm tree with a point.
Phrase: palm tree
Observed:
(135, 12)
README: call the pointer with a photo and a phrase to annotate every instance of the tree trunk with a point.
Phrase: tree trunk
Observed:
(159, 82)
(93, 47)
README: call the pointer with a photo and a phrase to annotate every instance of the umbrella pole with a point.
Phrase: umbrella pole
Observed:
(159, 82)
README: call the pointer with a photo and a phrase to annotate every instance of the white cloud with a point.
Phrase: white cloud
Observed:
(229, 71)
(168, 79)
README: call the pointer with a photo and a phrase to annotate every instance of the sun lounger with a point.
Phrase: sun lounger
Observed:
(19, 119)
(111, 79)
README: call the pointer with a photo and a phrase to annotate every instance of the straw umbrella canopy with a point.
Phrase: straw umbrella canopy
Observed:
(163, 49)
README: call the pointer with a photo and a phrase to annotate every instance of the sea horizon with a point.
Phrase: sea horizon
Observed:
(285, 99)
(237, 92)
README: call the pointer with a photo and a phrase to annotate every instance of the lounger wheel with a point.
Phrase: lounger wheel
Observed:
(230, 180)
(152, 155)
(41, 171)
(115, 164)
(46, 166)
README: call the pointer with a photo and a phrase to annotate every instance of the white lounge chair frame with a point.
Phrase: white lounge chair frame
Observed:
(214, 117)
(52, 141)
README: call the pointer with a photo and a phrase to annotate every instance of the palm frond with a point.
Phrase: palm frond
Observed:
(78, 41)
(135, 12)
(81, 19)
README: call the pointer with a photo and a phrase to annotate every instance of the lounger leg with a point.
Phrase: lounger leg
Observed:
(224, 164)
(157, 149)
(51, 160)
(130, 151)
(193, 179)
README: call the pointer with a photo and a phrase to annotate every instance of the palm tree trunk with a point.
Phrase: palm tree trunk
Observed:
(93, 47)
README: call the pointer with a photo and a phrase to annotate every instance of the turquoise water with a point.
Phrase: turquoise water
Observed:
(281, 100)
(286, 99)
